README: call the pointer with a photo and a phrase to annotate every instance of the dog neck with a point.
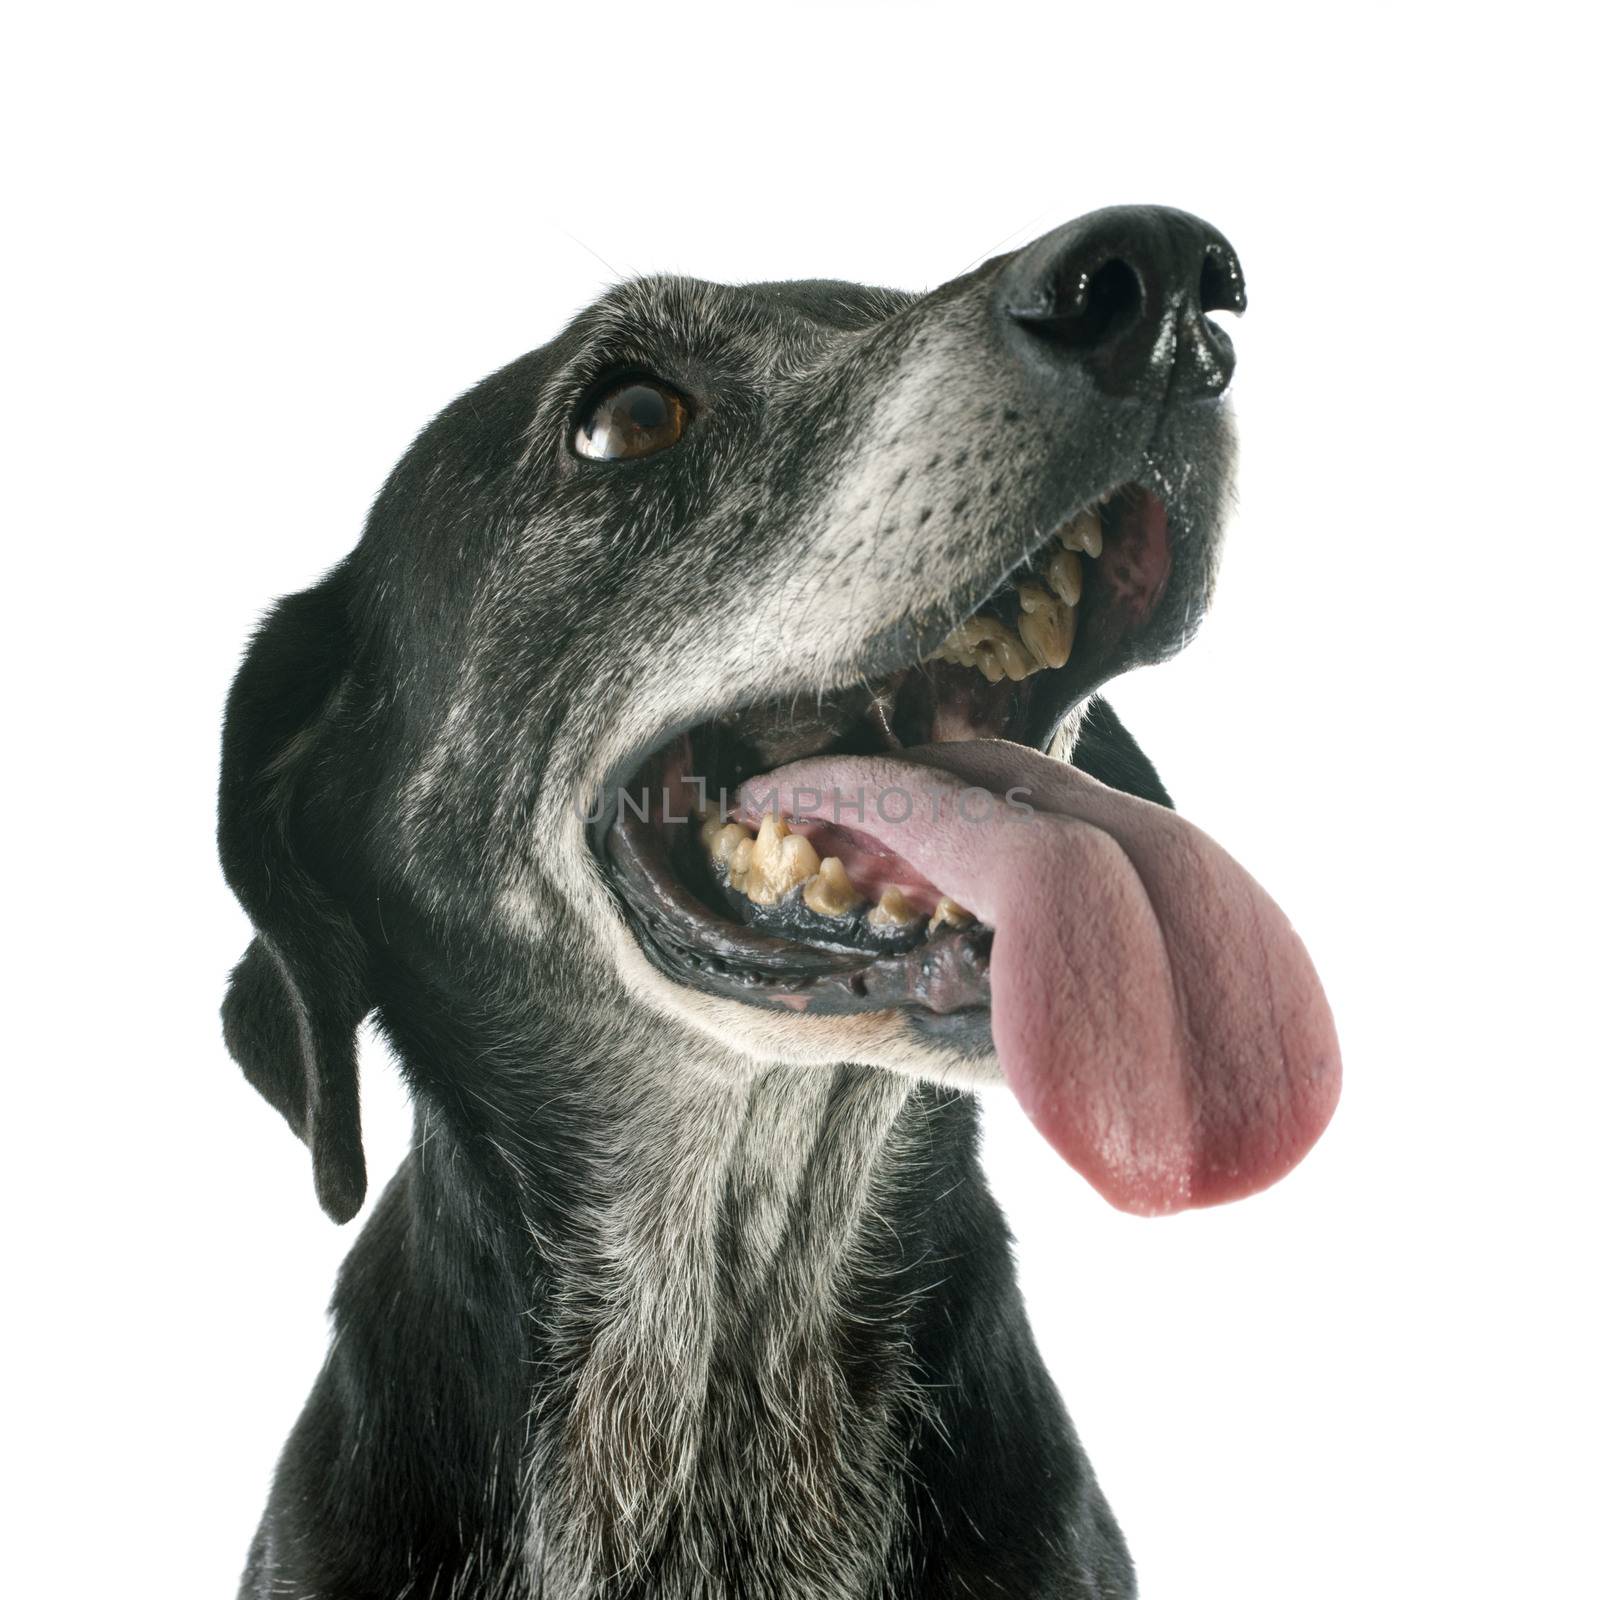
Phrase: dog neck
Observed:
(643, 1320)
(703, 1312)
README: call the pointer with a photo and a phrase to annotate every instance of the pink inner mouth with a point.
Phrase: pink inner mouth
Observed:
(1152, 1008)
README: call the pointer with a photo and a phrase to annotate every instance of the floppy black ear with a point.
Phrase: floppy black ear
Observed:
(296, 999)
(1105, 750)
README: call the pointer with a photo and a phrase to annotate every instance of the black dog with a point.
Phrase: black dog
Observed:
(691, 1284)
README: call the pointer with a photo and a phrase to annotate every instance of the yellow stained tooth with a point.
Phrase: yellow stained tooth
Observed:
(1048, 630)
(779, 860)
(1017, 660)
(739, 862)
(962, 645)
(772, 832)
(893, 910)
(830, 893)
(993, 648)
(976, 632)
(953, 652)
(948, 913)
(763, 853)
(724, 839)
(1065, 575)
(796, 865)
(1046, 623)
(1085, 533)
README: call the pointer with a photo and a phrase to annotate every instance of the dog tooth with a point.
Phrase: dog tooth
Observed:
(962, 645)
(1045, 623)
(1011, 660)
(772, 832)
(830, 893)
(1018, 661)
(723, 839)
(1065, 575)
(1085, 533)
(1007, 649)
(797, 863)
(956, 653)
(893, 910)
(779, 861)
(976, 633)
(739, 862)
(1047, 627)
(948, 914)
(993, 648)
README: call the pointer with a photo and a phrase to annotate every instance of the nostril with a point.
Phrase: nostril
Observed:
(1089, 308)
(1098, 311)
(1221, 281)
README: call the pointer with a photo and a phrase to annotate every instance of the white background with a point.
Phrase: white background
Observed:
(251, 253)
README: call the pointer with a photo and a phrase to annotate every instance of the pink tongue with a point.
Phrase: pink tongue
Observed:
(1153, 1010)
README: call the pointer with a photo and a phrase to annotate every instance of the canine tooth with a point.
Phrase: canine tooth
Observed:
(1085, 533)
(831, 893)
(1047, 626)
(948, 913)
(1065, 575)
(893, 910)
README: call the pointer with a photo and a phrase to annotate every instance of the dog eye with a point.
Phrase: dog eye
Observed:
(635, 419)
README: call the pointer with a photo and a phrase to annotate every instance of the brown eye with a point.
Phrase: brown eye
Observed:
(635, 419)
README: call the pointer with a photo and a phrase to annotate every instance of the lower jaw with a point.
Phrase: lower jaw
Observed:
(945, 977)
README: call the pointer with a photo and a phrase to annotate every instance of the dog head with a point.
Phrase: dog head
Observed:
(506, 755)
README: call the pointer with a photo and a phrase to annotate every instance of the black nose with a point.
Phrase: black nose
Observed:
(1124, 293)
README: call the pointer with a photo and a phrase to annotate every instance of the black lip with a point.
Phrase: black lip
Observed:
(947, 976)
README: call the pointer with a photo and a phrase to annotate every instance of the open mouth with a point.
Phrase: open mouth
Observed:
(904, 846)
(812, 913)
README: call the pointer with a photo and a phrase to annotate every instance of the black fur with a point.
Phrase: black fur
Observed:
(464, 1314)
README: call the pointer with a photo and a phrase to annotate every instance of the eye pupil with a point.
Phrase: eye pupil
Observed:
(646, 408)
(637, 418)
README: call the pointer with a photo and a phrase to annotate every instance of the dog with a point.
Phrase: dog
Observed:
(625, 774)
